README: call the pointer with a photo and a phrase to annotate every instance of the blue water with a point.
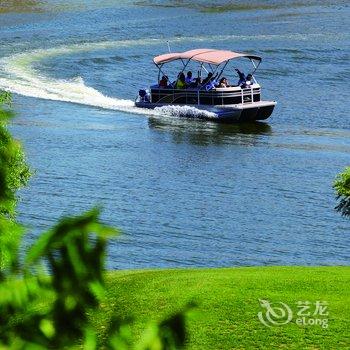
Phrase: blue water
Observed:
(184, 192)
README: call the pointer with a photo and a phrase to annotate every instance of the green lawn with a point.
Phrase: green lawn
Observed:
(228, 304)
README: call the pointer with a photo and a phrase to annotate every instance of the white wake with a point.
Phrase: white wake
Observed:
(19, 76)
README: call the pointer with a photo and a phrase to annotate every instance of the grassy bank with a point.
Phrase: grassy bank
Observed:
(228, 304)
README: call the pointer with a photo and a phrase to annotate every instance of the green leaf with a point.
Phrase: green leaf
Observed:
(47, 327)
(90, 339)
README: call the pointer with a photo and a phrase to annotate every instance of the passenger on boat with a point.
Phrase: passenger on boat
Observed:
(242, 78)
(189, 79)
(249, 80)
(208, 78)
(223, 83)
(144, 96)
(196, 83)
(181, 81)
(210, 82)
(163, 83)
(198, 80)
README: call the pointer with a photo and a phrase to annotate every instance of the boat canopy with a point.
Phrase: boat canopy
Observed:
(210, 56)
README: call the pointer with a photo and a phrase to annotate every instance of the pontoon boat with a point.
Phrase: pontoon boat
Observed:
(234, 103)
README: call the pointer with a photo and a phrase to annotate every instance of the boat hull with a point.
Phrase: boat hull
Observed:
(221, 113)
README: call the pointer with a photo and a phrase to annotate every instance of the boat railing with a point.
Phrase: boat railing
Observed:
(216, 96)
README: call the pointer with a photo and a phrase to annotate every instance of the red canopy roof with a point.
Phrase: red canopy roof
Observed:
(203, 55)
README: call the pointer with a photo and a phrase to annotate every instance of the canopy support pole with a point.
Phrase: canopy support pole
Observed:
(160, 70)
(223, 68)
(254, 65)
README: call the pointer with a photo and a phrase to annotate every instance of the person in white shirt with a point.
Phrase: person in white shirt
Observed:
(249, 80)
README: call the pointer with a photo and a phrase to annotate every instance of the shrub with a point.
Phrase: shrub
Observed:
(342, 187)
(73, 253)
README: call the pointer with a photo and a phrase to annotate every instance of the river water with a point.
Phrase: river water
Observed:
(184, 192)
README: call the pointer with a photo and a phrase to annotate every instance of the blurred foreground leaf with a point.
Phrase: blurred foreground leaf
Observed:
(49, 310)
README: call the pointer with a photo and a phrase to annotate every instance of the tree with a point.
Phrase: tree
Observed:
(342, 187)
(14, 174)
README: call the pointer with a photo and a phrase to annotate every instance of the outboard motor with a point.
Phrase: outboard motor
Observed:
(144, 96)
